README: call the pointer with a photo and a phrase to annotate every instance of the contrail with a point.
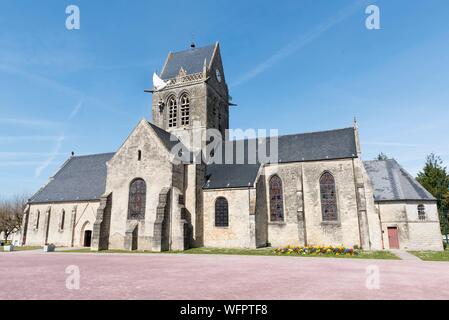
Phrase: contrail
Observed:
(299, 43)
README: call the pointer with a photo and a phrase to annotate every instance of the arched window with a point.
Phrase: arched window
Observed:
(137, 197)
(172, 112)
(276, 199)
(62, 220)
(139, 155)
(221, 212)
(185, 110)
(421, 212)
(328, 197)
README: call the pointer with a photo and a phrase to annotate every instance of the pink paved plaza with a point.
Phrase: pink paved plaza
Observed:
(38, 275)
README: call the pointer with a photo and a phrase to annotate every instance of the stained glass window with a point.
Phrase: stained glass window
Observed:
(276, 199)
(172, 112)
(137, 197)
(328, 197)
(221, 212)
(185, 110)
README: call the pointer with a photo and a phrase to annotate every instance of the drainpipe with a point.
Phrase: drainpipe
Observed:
(303, 204)
(381, 229)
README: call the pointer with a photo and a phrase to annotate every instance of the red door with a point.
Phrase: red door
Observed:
(393, 239)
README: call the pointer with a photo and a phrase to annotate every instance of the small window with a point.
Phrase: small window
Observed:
(62, 220)
(172, 113)
(36, 221)
(221, 212)
(421, 212)
(139, 155)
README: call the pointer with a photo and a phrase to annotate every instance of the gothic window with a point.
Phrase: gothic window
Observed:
(276, 199)
(172, 112)
(137, 197)
(221, 212)
(328, 197)
(62, 220)
(421, 212)
(185, 110)
(139, 155)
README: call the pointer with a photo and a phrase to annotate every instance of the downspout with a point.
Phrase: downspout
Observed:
(303, 204)
(170, 215)
(381, 228)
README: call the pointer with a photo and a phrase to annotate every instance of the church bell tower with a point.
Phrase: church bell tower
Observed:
(194, 96)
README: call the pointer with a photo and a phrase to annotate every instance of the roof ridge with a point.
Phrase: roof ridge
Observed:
(295, 134)
(312, 132)
(194, 49)
(92, 155)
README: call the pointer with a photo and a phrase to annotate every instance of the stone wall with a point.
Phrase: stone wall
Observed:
(238, 233)
(193, 202)
(155, 168)
(79, 217)
(413, 233)
(303, 222)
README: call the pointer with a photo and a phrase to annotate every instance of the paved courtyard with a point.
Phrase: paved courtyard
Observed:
(38, 275)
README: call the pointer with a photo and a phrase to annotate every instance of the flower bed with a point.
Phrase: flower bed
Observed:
(316, 250)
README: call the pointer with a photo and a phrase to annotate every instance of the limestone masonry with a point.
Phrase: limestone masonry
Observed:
(318, 192)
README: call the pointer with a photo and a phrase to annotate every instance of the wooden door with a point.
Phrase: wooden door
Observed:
(393, 238)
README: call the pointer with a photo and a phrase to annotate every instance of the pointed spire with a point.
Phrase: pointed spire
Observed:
(357, 138)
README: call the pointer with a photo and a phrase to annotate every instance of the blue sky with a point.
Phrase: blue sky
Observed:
(298, 66)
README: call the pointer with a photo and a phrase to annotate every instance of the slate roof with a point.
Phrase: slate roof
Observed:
(323, 145)
(230, 175)
(392, 183)
(192, 60)
(80, 178)
(84, 177)
(164, 136)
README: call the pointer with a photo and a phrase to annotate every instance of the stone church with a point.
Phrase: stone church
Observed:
(319, 191)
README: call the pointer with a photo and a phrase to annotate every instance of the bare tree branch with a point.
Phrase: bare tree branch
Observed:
(11, 214)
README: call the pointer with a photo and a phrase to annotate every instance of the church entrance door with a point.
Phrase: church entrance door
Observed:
(87, 238)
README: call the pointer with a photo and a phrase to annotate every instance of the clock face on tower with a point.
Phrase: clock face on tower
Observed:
(218, 75)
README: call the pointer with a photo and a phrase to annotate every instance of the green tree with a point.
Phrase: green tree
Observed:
(382, 156)
(435, 179)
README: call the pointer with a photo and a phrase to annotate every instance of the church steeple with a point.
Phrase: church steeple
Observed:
(196, 95)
